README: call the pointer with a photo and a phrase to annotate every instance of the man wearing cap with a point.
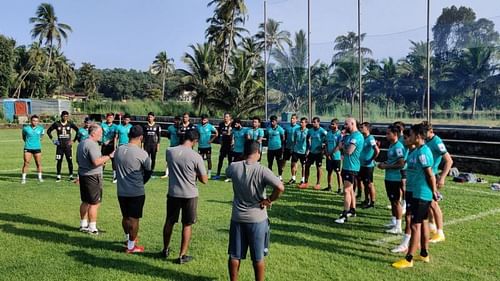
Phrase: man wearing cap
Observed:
(133, 170)
(63, 142)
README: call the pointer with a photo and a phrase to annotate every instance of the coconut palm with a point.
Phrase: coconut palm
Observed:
(273, 36)
(382, 78)
(88, 80)
(48, 28)
(162, 65)
(347, 46)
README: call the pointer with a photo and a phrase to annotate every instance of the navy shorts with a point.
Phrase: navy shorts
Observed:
(249, 235)
(349, 176)
(131, 207)
(296, 157)
(408, 200)
(205, 152)
(366, 175)
(314, 158)
(287, 154)
(33, 151)
(333, 165)
(419, 210)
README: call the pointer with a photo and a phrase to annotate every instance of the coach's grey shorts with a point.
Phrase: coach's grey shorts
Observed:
(245, 235)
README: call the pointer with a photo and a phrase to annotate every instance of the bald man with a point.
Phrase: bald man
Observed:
(351, 147)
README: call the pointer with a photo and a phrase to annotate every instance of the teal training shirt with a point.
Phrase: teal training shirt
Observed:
(405, 149)
(368, 151)
(274, 137)
(122, 131)
(394, 154)
(289, 131)
(205, 132)
(83, 134)
(418, 159)
(32, 136)
(239, 138)
(318, 138)
(108, 132)
(172, 132)
(332, 140)
(256, 134)
(352, 162)
(300, 137)
(438, 149)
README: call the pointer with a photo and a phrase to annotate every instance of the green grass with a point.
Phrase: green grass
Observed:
(40, 241)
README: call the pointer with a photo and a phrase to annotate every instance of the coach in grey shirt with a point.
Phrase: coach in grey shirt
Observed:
(185, 167)
(249, 223)
(133, 170)
(90, 162)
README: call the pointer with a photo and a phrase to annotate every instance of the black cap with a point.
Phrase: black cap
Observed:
(135, 131)
(87, 120)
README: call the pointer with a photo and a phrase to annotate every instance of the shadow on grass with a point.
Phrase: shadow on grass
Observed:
(133, 267)
(21, 218)
(31, 176)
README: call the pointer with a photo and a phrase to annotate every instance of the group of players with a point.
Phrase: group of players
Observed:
(412, 180)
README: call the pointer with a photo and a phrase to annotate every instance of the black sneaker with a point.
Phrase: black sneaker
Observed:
(292, 181)
(71, 178)
(184, 259)
(339, 191)
(327, 189)
(368, 206)
(165, 253)
(351, 213)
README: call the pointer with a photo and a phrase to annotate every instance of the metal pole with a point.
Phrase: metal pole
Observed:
(428, 64)
(359, 65)
(309, 57)
(265, 58)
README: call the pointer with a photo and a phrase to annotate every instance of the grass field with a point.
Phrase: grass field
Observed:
(40, 241)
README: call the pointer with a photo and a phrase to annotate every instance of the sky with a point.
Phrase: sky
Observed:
(129, 33)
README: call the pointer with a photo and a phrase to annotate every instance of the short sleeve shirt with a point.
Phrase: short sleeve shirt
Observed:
(368, 151)
(318, 138)
(130, 162)
(332, 140)
(438, 149)
(300, 138)
(122, 131)
(172, 132)
(419, 159)
(394, 154)
(352, 162)
(184, 164)
(108, 132)
(274, 137)
(239, 137)
(205, 132)
(32, 136)
(87, 152)
(289, 132)
(83, 134)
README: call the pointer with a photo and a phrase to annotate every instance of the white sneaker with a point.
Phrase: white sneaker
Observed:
(58, 178)
(227, 180)
(23, 181)
(394, 230)
(341, 220)
(115, 180)
(40, 180)
(402, 248)
(389, 207)
(390, 225)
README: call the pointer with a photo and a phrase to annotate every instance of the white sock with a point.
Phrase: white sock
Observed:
(406, 239)
(40, 175)
(23, 176)
(398, 224)
(166, 172)
(130, 244)
(403, 204)
(84, 223)
(280, 177)
(127, 236)
(58, 176)
(440, 232)
(293, 178)
(114, 174)
(432, 227)
(92, 226)
(393, 220)
(303, 179)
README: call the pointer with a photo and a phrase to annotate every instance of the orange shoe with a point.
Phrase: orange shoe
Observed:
(317, 187)
(303, 185)
(136, 249)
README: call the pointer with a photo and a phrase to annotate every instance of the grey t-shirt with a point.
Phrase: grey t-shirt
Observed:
(88, 151)
(184, 164)
(130, 163)
(249, 187)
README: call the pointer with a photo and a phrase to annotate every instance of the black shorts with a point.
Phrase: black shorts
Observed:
(349, 176)
(91, 189)
(333, 165)
(275, 154)
(408, 200)
(403, 174)
(393, 190)
(287, 154)
(419, 210)
(131, 207)
(188, 207)
(225, 151)
(315, 158)
(205, 152)
(366, 175)
(64, 151)
(296, 157)
(107, 149)
(33, 151)
(237, 156)
(151, 148)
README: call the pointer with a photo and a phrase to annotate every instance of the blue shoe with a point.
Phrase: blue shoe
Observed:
(216, 177)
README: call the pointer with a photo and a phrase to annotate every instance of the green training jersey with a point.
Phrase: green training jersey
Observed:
(32, 136)
(333, 139)
(394, 154)
(438, 149)
(318, 138)
(352, 162)
(206, 131)
(419, 159)
(289, 132)
(274, 137)
(300, 137)
(122, 131)
(368, 151)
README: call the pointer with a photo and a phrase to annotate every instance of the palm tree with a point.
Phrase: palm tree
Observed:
(88, 80)
(48, 28)
(273, 36)
(62, 70)
(28, 66)
(345, 77)
(202, 74)
(347, 46)
(162, 65)
(382, 79)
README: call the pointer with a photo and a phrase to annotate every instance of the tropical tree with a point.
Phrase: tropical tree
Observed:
(28, 66)
(382, 79)
(62, 72)
(202, 74)
(162, 66)
(272, 37)
(7, 59)
(87, 80)
(346, 46)
(48, 28)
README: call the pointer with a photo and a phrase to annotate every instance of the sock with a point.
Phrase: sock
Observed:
(39, 175)
(84, 223)
(393, 220)
(303, 179)
(293, 178)
(280, 177)
(440, 232)
(130, 244)
(58, 176)
(403, 204)
(398, 224)
(406, 239)
(92, 226)
(24, 176)
(432, 227)
(409, 258)
(127, 236)
(114, 174)
(423, 253)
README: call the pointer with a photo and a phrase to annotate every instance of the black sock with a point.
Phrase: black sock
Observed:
(409, 258)
(423, 253)
(352, 210)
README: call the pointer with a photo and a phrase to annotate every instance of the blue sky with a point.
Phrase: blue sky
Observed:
(129, 33)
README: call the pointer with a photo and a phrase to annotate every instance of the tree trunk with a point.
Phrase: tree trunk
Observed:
(50, 57)
(231, 34)
(387, 107)
(474, 100)
(422, 115)
(163, 88)
(18, 89)
(352, 102)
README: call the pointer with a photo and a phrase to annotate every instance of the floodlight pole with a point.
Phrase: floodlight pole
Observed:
(360, 67)
(265, 59)
(428, 64)
(309, 57)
